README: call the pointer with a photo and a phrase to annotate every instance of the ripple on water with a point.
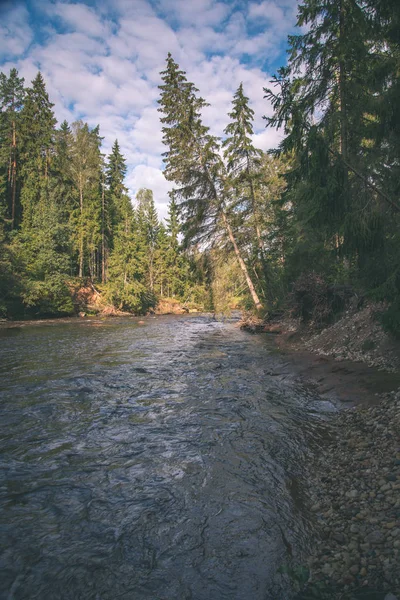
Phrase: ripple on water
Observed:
(156, 462)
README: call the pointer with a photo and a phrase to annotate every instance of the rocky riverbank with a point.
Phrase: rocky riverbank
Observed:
(357, 335)
(354, 484)
(355, 501)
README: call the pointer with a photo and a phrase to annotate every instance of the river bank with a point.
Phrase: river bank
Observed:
(355, 499)
(354, 493)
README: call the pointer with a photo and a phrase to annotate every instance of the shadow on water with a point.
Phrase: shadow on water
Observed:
(162, 461)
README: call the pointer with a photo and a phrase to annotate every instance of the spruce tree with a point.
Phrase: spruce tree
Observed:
(161, 272)
(61, 169)
(175, 264)
(37, 142)
(126, 283)
(116, 171)
(148, 225)
(193, 162)
(11, 102)
(325, 100)
(113, 201)
(86, 165)
(243, 163)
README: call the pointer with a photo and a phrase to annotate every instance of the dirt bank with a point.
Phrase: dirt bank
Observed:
(357, 336)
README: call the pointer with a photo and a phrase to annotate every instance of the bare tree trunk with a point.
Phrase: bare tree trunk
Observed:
(241, 262)
(228, 228)
(81, 232)
(151, 274)
(13, 176)
(103, 241)
(342, 90)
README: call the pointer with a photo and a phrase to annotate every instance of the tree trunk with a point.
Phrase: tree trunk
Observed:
(103, 244)
(241, 262)
(13, 176)
(257, 228)
(81, 232)
(342, 87)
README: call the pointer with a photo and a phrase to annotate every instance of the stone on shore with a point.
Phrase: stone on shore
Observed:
(355, 501)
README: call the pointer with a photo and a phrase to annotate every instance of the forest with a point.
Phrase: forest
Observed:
(299, 227)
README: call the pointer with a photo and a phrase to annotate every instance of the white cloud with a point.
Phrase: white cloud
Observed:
(101, 63)
(199, 12)
(16, 34)
(79, 17)
(144, 176)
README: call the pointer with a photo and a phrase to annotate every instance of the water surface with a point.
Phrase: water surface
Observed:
(155, 461)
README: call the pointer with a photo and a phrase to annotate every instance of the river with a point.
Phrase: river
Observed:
(162, 460)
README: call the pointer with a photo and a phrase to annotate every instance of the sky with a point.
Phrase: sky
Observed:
(101, 62)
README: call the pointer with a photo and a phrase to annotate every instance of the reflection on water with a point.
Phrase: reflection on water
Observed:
(161, 461)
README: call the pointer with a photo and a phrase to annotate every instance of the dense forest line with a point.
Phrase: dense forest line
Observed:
(317, 219)
(312, 220)
(67, 220)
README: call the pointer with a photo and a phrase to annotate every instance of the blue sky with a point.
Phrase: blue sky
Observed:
(101, 62)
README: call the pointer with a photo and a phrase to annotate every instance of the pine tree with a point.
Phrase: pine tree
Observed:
(11, 102)
(243, 162)
(86, 165)
(37, 141)
(148, 225)
(113, 201)
(193, 162)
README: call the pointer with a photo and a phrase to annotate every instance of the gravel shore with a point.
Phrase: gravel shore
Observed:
(355, 498)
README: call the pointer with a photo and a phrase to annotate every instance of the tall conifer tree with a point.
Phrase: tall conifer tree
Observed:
(86, 165)
(243, 163)
(12, 95)
(37, 141)
(113, 201)
(193, 162)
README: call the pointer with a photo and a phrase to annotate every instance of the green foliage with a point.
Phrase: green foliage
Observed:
(193, 163)
(335, 102)
(42, 251)
(252, 225)
(192, 160)
(64, 213)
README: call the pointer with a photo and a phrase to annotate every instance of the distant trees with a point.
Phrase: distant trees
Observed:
(66, 216)
(12, 95)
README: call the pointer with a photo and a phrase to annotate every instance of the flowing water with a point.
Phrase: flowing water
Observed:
(155, 461)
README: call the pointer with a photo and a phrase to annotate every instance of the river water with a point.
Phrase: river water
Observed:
(154, 461)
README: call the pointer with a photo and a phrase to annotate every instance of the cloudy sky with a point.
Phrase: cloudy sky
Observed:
(101, 62)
